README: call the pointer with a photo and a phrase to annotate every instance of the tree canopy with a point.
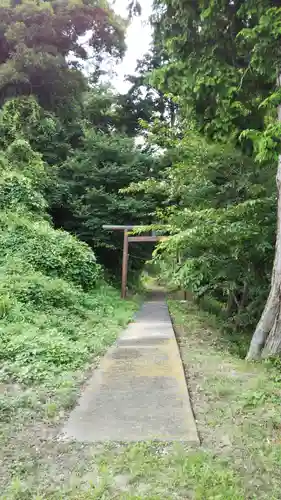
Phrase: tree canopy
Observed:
(42, 45)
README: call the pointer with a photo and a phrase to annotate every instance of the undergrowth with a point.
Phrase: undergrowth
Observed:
(57, 317)
(236, 403)
(57, 333)
(55, 309)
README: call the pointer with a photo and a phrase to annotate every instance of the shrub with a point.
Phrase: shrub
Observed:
(52, 327)
(22, 159)
(29, 355)
(6, 304)
(41, 291)
(17, 193)
(53, 252)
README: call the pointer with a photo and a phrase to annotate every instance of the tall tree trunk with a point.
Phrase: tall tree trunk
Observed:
(230, 307)
(266, 340)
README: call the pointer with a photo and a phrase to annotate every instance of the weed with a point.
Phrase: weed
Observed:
(6, 305)
(237, 407)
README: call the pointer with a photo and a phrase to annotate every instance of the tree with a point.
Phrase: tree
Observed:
(41, 44)
(219, 212)
(144, 102)
(263, 39)
(89, 195)
(24, 118)
(108, 111)
(208, 69)
(74, 124)
(83, 175)
(223, 61)
(134, 8)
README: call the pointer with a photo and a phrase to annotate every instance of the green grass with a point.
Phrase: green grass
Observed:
(56, 311)
(44, 345)
(46, 353)
(237, 404)
(52, 333)
(237, 409)
(41, 343)
(145, 471)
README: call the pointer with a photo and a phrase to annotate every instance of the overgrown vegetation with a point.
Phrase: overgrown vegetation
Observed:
(56, 310)
(207, 165)
(222, 220)
(236, 403)
(218, 65)
(57, 314)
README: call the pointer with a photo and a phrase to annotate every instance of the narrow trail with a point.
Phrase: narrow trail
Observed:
(139, 392)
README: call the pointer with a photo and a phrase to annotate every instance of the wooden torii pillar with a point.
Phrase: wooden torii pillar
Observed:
(129, 239)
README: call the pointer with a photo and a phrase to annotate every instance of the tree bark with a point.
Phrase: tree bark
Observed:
(244, 297)
(273, 342)
(266, 340)
(230, 307)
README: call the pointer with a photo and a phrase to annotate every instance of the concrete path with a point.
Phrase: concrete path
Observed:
(139, 392)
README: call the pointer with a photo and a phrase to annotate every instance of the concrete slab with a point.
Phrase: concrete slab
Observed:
(139, 392)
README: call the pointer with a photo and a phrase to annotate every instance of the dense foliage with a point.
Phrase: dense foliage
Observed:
(85, 168)
(89, 194)
(51, 284)
(219, 62)
(222, 221)
(222, 62)
(56, 310)
(190, 151)
(38, 38)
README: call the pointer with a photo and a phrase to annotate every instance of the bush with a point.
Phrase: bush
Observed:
(53, 252)
(6, 304)
(41, 291)
(17, 193)
(22, 159)
(28, 355)
(222, 225)
(50, 327)
(53, 316)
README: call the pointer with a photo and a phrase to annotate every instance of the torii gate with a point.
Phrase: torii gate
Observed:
(130, 239)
